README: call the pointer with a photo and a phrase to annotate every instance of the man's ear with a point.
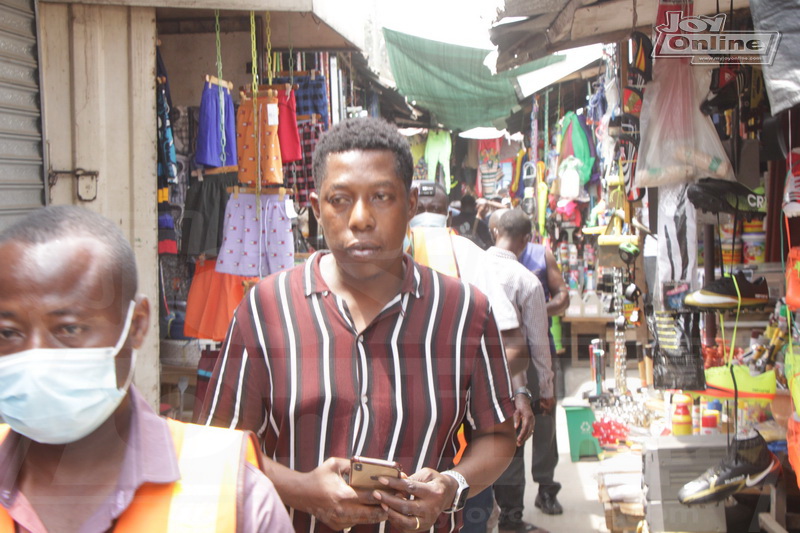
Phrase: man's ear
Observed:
(140, 322)
(313, 198)
(413, 197)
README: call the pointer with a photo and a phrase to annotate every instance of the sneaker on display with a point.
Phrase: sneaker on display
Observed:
(723, 196)
(722, 294)
(791, 188)
(749, 463)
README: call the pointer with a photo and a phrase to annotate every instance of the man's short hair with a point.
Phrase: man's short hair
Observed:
(468, 203)
(364, 134)
(514, 223)
(54, 222)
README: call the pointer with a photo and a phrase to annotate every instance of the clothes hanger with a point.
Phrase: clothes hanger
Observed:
(311, 73)
(216, 81)
(260, 191)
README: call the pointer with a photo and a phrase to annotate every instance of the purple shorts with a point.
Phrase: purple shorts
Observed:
(253, 246)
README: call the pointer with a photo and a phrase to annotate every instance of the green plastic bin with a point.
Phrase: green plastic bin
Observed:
(579, 426)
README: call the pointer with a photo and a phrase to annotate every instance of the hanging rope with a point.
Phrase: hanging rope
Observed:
(256, 128)
(220, 91)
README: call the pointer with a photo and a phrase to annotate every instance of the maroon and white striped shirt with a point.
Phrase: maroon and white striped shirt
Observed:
(295, 370)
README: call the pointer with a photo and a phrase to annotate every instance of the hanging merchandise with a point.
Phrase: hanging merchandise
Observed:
(299, 174)
(677, 361)
(257, 239)
(204, 212)
(489, 171)
(679, 143)
(437, 152)
(217, 128)
(574, 142)
(311, 93)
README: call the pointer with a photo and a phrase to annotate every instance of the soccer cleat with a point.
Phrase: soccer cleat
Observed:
(749, 463)
(723, 196)
(721, 294)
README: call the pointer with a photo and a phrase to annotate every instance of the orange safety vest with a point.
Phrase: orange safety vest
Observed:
(210, 461)
(433, 248)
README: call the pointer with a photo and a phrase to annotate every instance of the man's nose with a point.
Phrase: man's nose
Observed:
(361, 217)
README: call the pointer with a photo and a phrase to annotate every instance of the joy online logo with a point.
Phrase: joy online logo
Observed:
(703, 39)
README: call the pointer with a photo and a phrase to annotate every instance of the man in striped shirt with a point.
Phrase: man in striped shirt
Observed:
(361, 351)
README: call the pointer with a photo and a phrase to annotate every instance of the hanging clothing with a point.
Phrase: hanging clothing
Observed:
(256, 245)
(311, 96)
(217, 128)
(291, 150)
(204, 214)
(167, 172)
(213, 297)
(299, 175)
(261, 144)
(489, 171)
(437, 151)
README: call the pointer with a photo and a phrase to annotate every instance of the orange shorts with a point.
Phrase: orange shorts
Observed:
(264, 144)
(212, 300)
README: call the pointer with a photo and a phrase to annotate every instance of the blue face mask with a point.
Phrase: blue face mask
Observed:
(429, 220)
(61, 395)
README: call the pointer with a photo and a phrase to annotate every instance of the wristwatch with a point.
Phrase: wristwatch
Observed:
(461, 493)
(524, 390)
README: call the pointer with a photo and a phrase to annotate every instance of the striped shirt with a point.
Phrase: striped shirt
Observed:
(295, 370)
(525, 291)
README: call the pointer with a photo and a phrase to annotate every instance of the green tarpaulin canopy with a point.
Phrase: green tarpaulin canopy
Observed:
(452, 82)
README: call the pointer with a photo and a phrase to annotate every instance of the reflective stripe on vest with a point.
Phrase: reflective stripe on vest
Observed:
(203, 500)
(433, 248)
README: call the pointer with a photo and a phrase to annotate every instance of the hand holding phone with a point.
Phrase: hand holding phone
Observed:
(365, 471)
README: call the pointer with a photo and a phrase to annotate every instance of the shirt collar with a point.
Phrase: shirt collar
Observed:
(314, 283)
(501, 252)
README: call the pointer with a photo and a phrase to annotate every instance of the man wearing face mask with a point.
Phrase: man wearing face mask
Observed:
(82, 450)
(434, 245)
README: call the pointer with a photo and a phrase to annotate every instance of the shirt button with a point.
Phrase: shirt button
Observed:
(361, 338)
(364, 398)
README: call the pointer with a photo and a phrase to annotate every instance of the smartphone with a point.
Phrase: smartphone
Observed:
(364, 472)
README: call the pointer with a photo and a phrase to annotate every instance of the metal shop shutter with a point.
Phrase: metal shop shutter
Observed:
(22, 186)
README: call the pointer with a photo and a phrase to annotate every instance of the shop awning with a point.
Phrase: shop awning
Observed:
(541, 27)
(574, 60)
(452, 82)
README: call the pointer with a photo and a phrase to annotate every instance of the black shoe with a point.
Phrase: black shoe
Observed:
(548, 503)
(723, 196)
(721, 294)
(749, 463)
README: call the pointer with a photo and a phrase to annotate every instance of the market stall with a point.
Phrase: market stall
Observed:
(666, 191)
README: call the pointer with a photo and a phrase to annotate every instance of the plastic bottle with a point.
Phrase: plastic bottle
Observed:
(681, 420)
(710, 423)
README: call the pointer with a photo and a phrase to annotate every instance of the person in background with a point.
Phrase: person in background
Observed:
(468, 224)
(540, 260)
(512, 231)
(435, 245)
(83, 451)
(363, 352)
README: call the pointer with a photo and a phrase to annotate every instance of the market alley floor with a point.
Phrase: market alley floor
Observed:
(583, 512)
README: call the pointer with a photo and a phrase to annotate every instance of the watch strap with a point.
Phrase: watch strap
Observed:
(461, 493)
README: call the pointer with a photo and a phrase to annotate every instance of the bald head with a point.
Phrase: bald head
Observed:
(511, 228)
(60, 222)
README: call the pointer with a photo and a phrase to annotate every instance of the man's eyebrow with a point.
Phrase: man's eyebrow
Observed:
(7, 314)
